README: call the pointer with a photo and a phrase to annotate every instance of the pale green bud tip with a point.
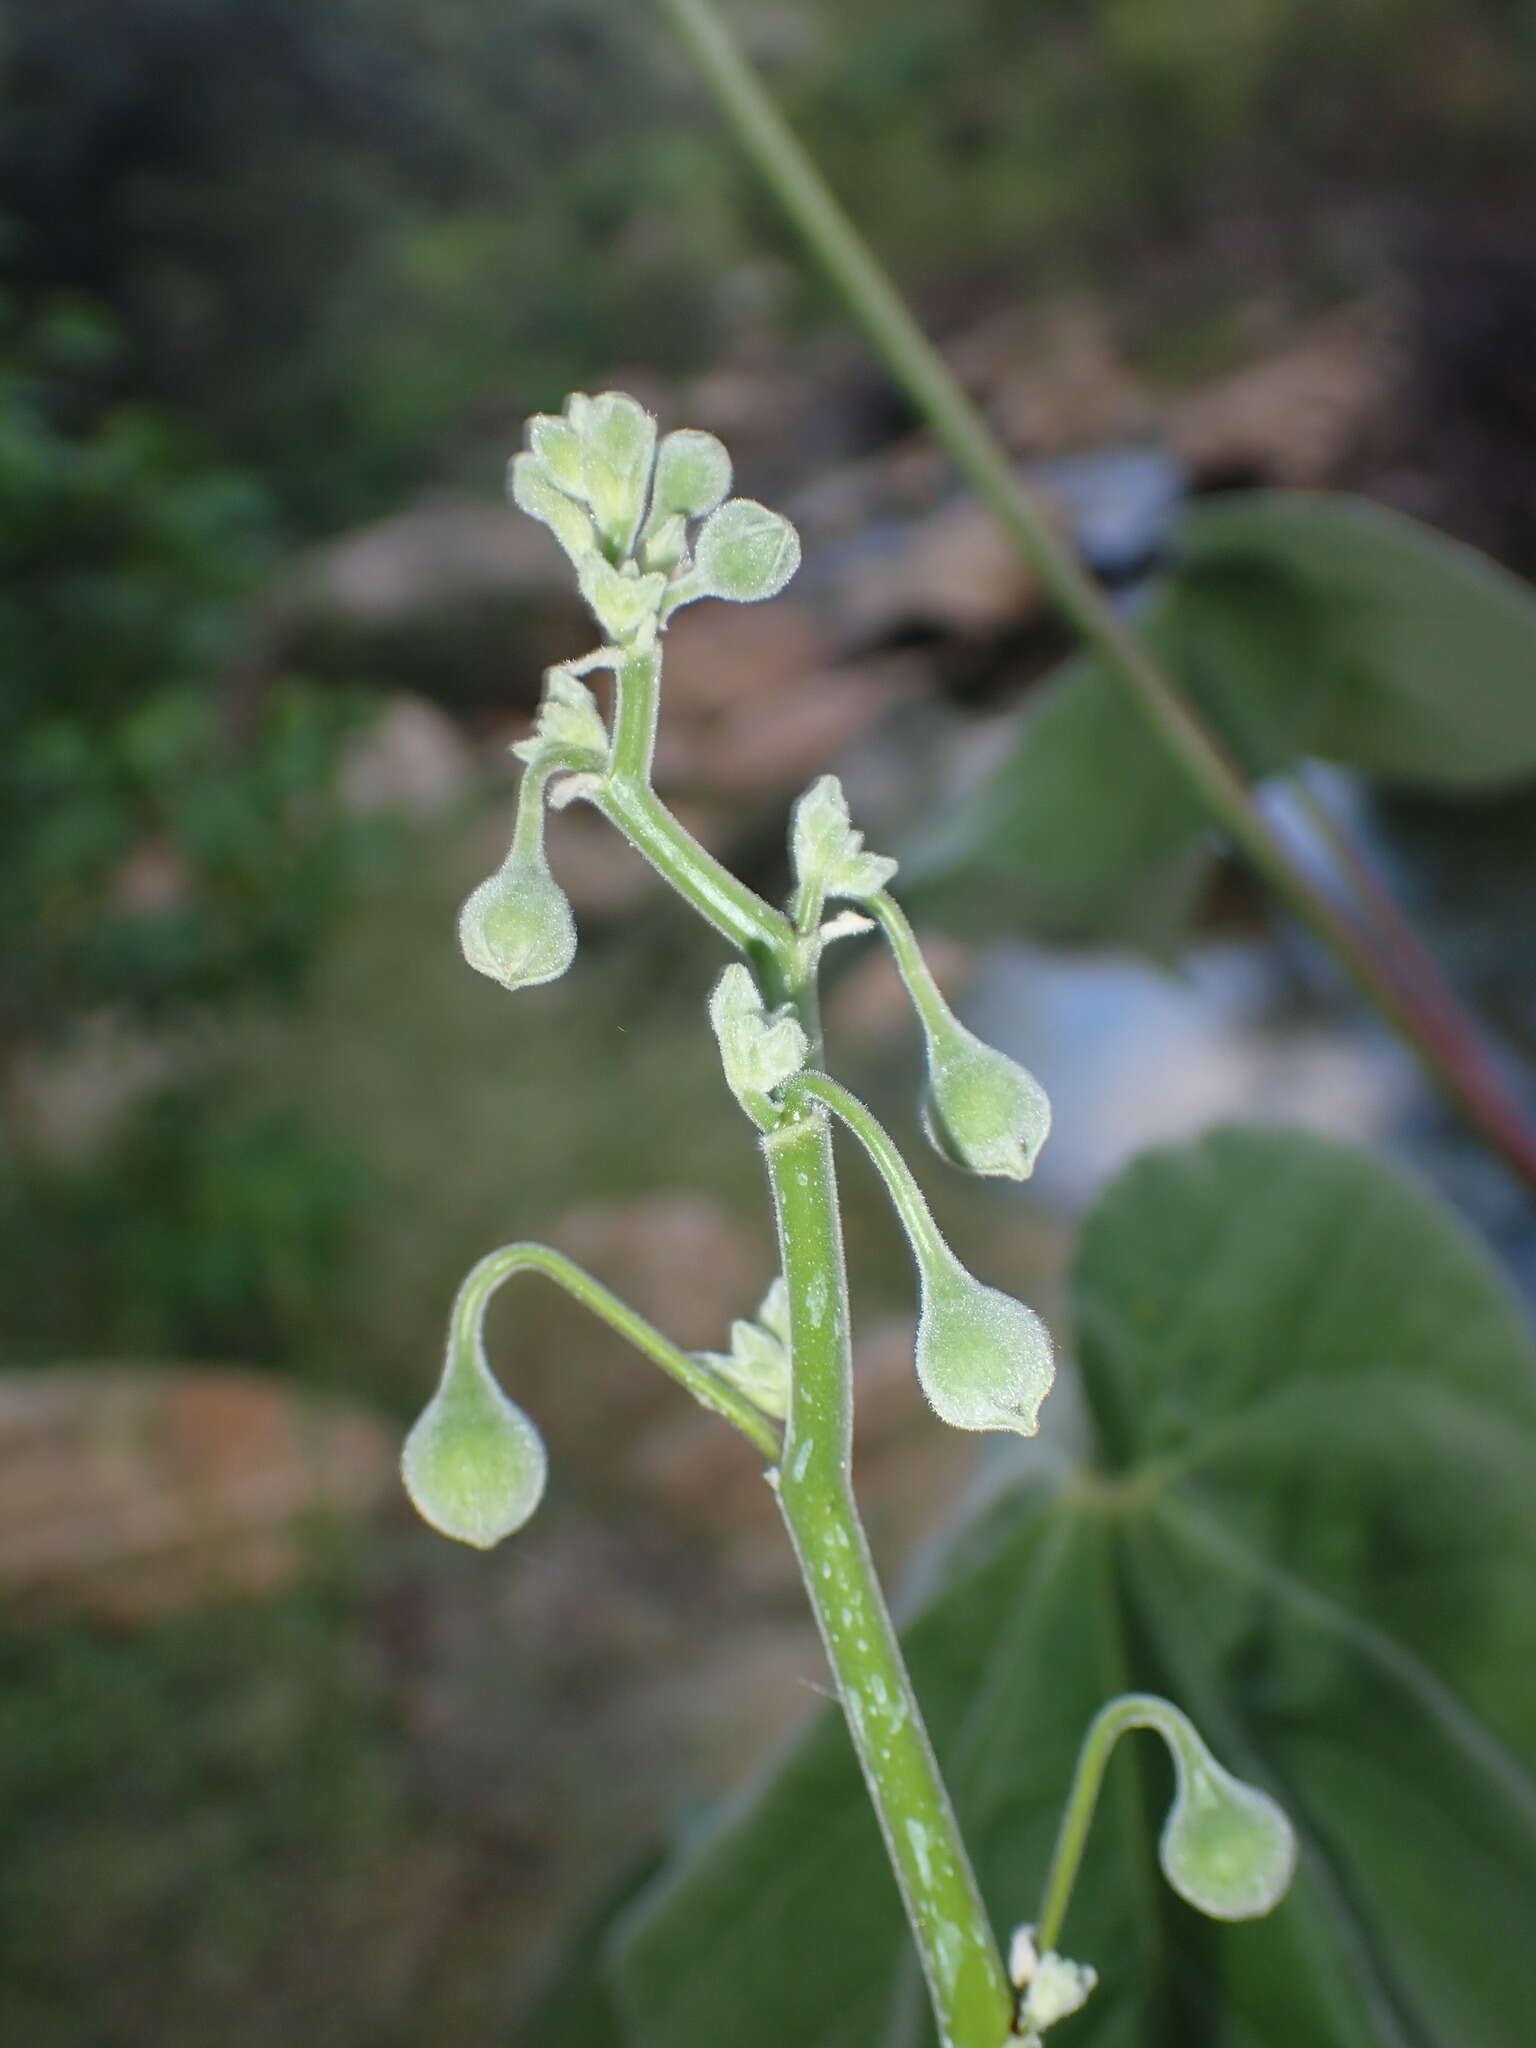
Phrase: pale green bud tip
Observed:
(1226, 1847)
(982, 1110)
(983, 1359)
(474, 1465)
(693, 474)
(517, 926)
(745, 552)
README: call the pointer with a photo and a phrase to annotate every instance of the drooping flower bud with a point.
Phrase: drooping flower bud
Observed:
(1226, 1847)
(474, 1465)
(983, 1359)
(981, 1110)
(517, 925)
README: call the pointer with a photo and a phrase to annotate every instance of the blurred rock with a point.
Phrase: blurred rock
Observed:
(1302, 416)
(954, 571)
(129, 1493)
(437, 552)
(411, 759)
(868, 1002)
(682, 1260)
(1053, 382)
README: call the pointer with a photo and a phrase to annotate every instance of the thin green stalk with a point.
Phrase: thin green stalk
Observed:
(972, 1998)
(913, 968)
(738, 913)
(1460, 1071)
(705, 1385)
(1131, 1710)
(907, 1198)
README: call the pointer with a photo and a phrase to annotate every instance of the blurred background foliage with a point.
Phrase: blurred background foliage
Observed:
(280, 284)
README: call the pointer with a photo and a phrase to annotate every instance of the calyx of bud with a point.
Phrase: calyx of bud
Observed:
(473, 1465)
(1226, 1846)
(981, 1110)
(984, 1359)
(517, 925)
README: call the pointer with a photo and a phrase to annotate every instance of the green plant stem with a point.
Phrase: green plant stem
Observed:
(738, 913)
(907, 1198)
(637, 681)
(705, 1385)
(1458, 1068)
(972, 1998)
(625, 797)
(927, 998)
(1131, 1710)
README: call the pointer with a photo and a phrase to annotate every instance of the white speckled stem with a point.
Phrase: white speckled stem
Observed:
(972, 1999)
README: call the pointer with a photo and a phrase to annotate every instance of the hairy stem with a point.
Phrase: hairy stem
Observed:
(738, 913)
(705, 1385)
(1448, 1048)
(907, 1198)
(972, 1999)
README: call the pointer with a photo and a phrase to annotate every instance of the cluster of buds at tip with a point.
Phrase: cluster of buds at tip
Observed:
(648, 525)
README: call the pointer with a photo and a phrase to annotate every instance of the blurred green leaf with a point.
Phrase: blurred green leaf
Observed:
(1306, 1517)
(1429, 647)
(1086, 830)
(1298, 623)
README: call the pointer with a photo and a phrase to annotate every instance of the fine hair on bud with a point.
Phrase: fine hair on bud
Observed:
(517, 925)
(1226, 1846)
(474, 1465)
(984, 1359)
(981, 1109)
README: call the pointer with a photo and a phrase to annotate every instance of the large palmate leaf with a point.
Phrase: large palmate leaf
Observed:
(1305, 1514)
(1430, 648)
(1299, 624)
(1087, 829)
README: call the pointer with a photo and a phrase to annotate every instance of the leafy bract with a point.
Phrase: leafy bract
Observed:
(1304, 1513)
(1300, 624)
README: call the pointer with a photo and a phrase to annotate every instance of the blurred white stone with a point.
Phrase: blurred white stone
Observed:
(412, 758)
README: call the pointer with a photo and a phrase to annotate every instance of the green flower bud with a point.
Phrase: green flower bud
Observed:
(558, 445)
(983, 1359)
(533, 490)
(1226, 1847)
(474, 1465)
(744, 552)
(517, 925)
(693, 474)
(982, 1110)
(664, 544)
(618, 444)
